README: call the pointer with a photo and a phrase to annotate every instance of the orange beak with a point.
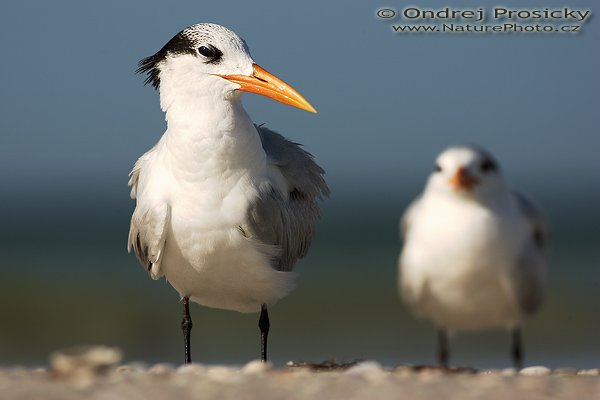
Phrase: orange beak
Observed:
(267, 84)
(462, 180)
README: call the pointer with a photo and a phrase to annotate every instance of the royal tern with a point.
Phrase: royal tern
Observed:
(474, 250)
(224, 208)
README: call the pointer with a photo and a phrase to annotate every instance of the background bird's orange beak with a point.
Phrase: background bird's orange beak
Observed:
(462, 180)
(264, 83)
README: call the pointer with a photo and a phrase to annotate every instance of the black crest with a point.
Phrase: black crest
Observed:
(179, 44)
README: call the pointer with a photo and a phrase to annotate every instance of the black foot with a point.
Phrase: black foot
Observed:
(443, 348)
(263, 324)
(517, 348)
(186, 327)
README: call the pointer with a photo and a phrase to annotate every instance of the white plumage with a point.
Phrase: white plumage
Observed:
(474, 250)
(223, 208)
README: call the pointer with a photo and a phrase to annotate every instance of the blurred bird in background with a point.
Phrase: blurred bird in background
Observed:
(224, 208)
(474, 250)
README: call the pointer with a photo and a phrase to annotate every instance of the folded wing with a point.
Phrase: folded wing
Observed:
(530, 270)
(148, 228)
(286, 210)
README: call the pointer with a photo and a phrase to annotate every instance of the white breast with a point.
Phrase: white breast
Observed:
(456, 261)
(206, 255)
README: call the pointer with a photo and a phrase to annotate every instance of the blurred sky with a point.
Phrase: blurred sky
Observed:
(73, 109)
(75, 117)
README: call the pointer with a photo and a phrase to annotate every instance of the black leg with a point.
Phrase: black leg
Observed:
(186, 327)
(263, 324)
(517, 348)
(443, 348)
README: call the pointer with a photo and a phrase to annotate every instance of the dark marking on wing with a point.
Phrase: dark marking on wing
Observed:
(287, 223)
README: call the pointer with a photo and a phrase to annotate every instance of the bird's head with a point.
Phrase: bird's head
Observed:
(466, 171)
(211, 58)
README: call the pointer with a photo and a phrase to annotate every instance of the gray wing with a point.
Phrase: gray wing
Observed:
(530, 271)
(148, 228)
(539, 225)
(287, 220)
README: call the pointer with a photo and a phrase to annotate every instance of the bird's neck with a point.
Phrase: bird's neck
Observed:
(210, 135)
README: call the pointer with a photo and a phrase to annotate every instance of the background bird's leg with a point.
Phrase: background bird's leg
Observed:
(263, 324)
(443, 348)
(186, 327)
(517, 348)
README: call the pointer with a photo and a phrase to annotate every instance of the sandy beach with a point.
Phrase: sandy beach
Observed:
(96, 374)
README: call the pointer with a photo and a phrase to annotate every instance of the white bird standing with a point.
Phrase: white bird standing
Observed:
(474, 250)
(224, 208)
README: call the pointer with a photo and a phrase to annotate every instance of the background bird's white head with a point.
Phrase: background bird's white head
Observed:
(466, 172)
(210, 61)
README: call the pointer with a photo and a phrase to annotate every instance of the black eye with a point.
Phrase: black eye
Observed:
(438, 168)
(211, 53)
(206, 51)
(488, 166)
